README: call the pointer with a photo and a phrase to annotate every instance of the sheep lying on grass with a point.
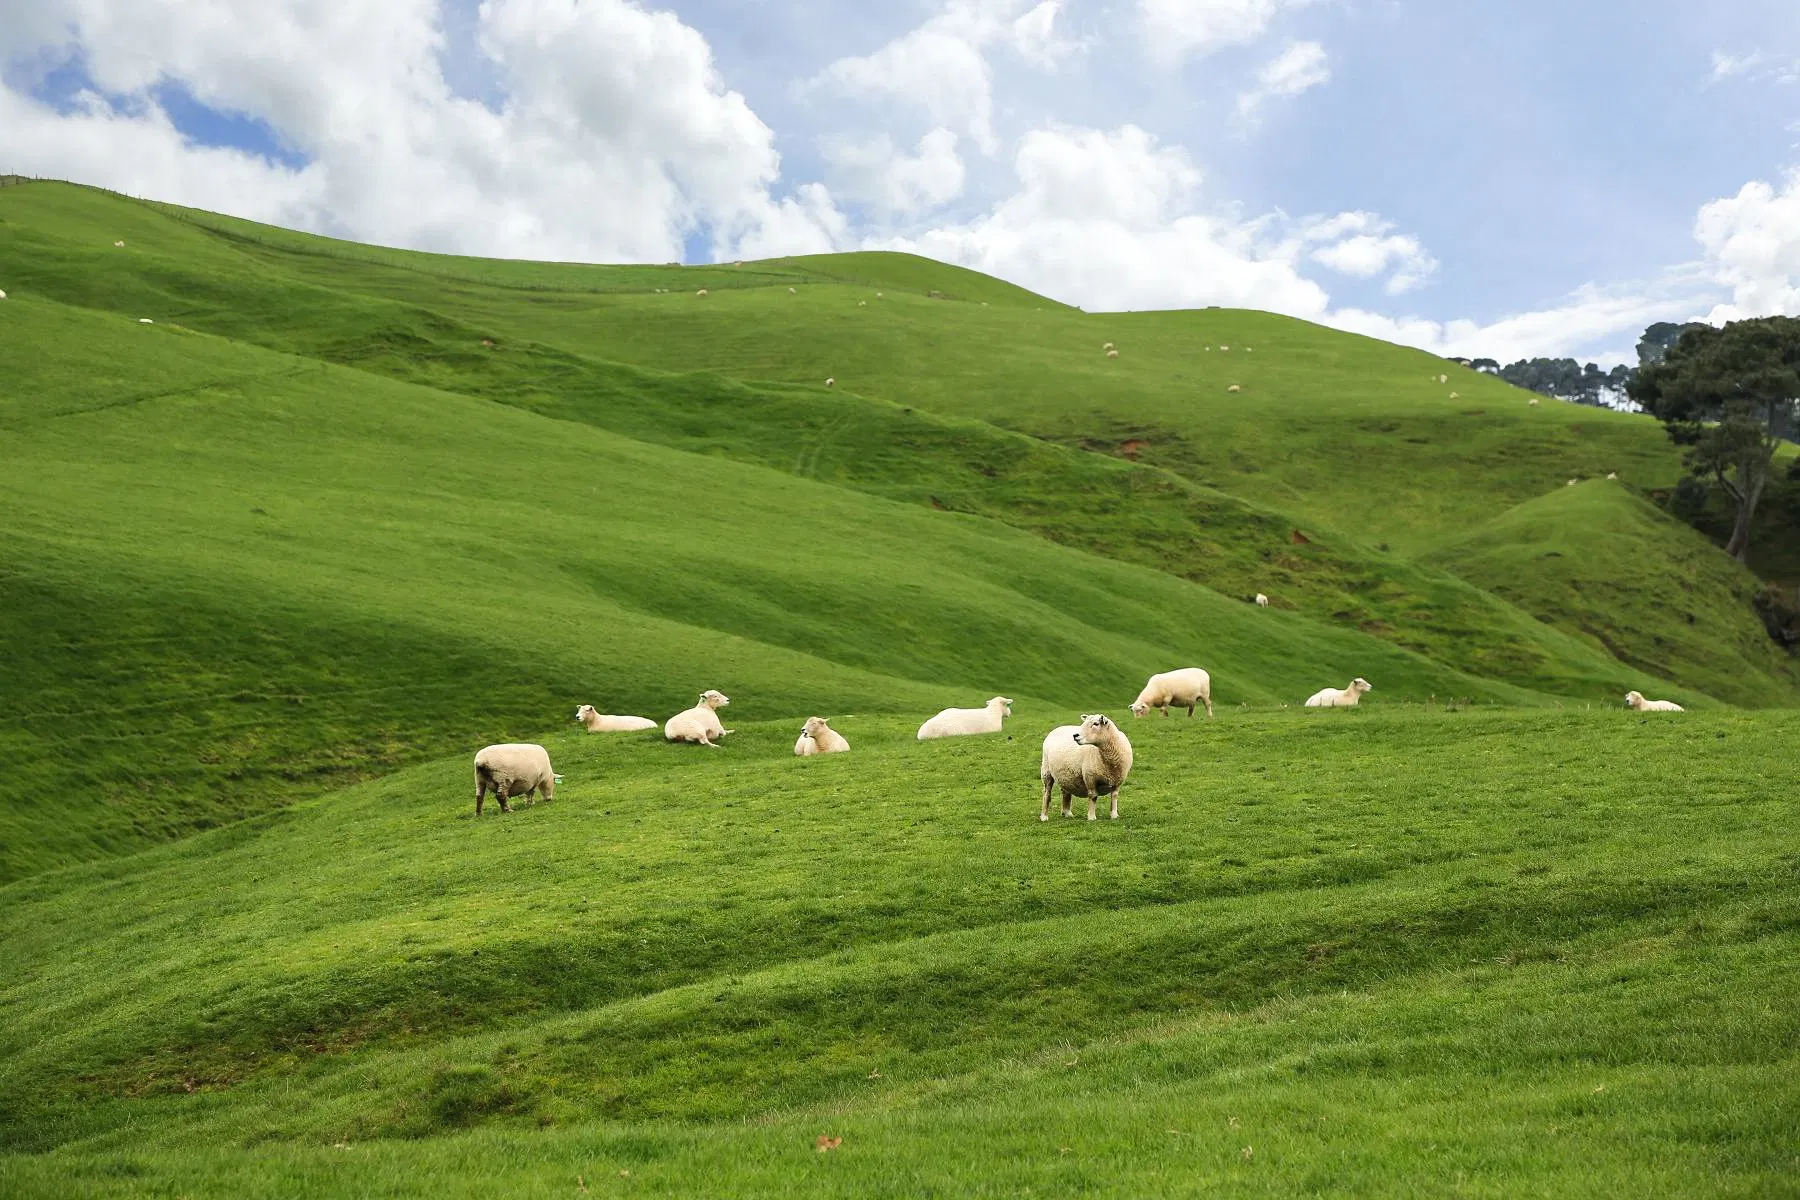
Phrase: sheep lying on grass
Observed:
(1234, 389)
(1091, 759)
(604, 723)
(960, 722)
(700, 723)
(1636, 700)
(1188, 686)
(1348, 697)
(1262, 601)
(513, 769)
(1112, 354)
(817, 737)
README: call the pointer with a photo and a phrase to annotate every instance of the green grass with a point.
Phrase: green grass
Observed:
(1358, 934)
(274, 566)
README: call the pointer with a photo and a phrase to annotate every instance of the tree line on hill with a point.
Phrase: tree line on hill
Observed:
(1729, 395)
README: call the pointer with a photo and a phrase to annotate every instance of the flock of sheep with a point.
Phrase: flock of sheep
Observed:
(1090, 760)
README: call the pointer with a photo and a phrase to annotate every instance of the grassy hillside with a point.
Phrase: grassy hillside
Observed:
(234, 576)
(548, 338)
(1599, 560)
(1350, 941)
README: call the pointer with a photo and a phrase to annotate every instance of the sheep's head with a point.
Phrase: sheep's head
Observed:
(1095, 728)
(814, 727)
(584, 712)
(1001, 703)
(1633, 699)
(1360, 685)
(1140, 710)
(714, 699)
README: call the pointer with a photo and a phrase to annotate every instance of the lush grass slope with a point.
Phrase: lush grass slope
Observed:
(549, 338)
(1392, 953)
(274, 565)
(1599, 560)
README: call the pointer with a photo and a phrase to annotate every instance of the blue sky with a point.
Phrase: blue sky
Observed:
(1477, 178)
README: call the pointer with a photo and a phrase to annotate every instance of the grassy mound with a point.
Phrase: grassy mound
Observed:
(1599, 560)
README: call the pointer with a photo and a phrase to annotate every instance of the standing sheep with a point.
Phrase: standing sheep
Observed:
(959, 722)
(604, 723)
(513, 769)
(1348, 697)
(1636, 700)
(1262, 601)
(817, 737)
(1091, 759)
(700, 723)
(1188, 686)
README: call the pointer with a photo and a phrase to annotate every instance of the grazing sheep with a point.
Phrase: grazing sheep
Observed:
(1262, 601)
(2, 295)
(118, 244)
(700, 723)
(1224, 347)
(1443, 379)
(604, 723)
(1532, 402)
(1348, 697)
(1188, 686)
(862, 304)
(1107, 346)
(1573, 482)
(1612, 474)
(1636, 700)
(817, 737)
(1234, 389)
(1456, 395)
(513, 769)
(1091, 759)
(793, 292)
(1112, 354)
(701, 292)
(960, 722)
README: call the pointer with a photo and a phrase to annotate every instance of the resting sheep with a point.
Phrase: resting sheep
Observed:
(1234, 388)
(817, 737)
(1262, 601)
(1091, 759)
(513, 769)
(700, 723)
(1112, 354)
(1348, 697)
(961, 722)
(701, 292)
(1188, 686)
(605, 723)
(1636, 700)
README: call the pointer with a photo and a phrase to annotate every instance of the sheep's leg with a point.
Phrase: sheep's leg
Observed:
(1190, 712)
(1092, 807)
(1209, 712)
(1165, 710)
(1115, 810)
(480, 793)
(1049, 788)
(1068, 798)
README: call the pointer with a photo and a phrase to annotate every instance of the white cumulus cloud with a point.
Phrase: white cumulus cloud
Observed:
(893, 182)
(616, 137)
(1179, 29)
(1296, 70)
(1752, 241)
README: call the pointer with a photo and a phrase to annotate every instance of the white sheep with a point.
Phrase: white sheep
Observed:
(1532, 402)
(793, 292)
(1224, 347)
(1262, 601)
(960, 722)
(1107, 346)
(700, 723)
(513, 769)
(1612, 475)
(1188, 686)
(862, 304)
(1573, 482)
(2, 295)
(818, 737)
(1456, 395)
(1234, 389)
(831, 381)
(1443, 379)
(117, 245)
(1348, 697)
(1091, 759)
(1112, 354)
(598, 722)
(1636, 700)
(701, 292)
(145, 321)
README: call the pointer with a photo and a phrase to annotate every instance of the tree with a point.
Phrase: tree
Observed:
(1728, 395)
(1659, 337)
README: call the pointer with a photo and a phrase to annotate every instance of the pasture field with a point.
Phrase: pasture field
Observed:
(289, 527)
(1385, 951)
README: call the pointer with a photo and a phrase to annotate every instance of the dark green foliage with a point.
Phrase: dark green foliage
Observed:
(1729, 396)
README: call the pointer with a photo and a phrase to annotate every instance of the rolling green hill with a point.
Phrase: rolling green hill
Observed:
(275, 563)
